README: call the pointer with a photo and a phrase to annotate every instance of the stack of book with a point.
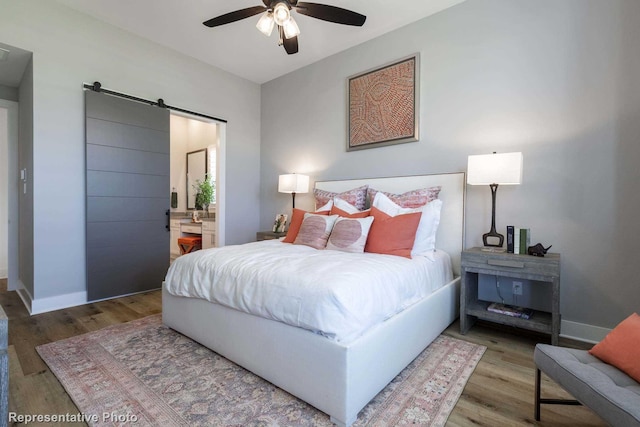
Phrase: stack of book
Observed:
(518, 240)
(510, 310)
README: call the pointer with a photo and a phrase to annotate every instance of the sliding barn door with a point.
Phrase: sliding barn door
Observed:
(127, 145)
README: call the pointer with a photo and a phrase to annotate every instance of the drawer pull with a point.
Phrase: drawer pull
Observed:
(506, 263)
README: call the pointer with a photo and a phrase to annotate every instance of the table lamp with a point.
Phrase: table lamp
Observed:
(293, 183)
(493, 170)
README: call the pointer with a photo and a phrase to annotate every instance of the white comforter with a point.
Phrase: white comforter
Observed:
(337, 294)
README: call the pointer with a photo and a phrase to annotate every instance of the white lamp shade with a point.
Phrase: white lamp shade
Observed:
(293, 183)
(281, 13)
(291, 28)
(266, 23)
(487, 169)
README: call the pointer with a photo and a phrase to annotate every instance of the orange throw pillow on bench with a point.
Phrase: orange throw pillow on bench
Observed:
(296, 222)
(621, 347)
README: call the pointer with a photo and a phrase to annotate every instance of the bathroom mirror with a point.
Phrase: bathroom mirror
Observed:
(196, 171)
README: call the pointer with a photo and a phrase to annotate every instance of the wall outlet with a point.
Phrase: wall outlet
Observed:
(517, 288)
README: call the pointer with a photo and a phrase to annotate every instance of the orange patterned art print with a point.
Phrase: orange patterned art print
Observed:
(383, 107)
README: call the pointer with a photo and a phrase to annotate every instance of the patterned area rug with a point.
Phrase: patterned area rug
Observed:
(145, 374)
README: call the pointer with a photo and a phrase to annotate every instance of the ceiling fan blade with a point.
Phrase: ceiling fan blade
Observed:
(331, 13)
(267, 2)
(291, 45)
(237, 15)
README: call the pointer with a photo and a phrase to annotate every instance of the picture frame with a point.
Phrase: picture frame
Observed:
(280, 223)
(383, 105)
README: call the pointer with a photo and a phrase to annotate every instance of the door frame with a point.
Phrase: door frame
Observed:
(221, 171)
(12, 193)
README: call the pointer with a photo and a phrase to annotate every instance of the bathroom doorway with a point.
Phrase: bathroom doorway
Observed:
(202, 139)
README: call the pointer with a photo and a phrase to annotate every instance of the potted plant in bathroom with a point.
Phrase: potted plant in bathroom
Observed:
(204, 196)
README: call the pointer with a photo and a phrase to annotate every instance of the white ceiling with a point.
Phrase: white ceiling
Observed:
(239, 47)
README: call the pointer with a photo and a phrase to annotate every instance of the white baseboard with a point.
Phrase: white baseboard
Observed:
(4, 273)
(24, 295)
(44, 305)
(582, 331)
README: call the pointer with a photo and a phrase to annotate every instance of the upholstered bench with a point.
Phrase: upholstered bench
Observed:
(189, 244)
(609, 392)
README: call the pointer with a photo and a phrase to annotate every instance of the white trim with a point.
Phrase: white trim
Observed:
(12, 194)
(3, 274)
(24, 295)
(43, 305)
(221, 184)
(582, 331)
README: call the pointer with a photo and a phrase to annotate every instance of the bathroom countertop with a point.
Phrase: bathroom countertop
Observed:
(187, 215)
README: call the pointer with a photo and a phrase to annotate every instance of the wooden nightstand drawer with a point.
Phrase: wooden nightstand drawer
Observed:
(488, 262)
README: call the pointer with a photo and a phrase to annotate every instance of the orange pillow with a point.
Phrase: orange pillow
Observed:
(345, 214)
(621, 347)
(392, 235)
(296, 222)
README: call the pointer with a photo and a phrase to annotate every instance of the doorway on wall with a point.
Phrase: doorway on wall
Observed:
(197, 148)
(16, 88)
(4, 193)
(8, 193)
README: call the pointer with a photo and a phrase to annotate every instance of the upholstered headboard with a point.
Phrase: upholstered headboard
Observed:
(450, 235)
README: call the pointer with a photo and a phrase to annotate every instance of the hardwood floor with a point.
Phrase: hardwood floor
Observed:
(499, 393)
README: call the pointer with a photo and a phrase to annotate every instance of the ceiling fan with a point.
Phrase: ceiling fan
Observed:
(278, 12)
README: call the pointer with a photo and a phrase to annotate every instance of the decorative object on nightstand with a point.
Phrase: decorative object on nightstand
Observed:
(538, 250)
(293, 183)
(539, 271)
(493, 170)
(269, 235)
(280, 223)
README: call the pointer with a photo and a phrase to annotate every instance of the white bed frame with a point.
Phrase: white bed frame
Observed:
(335, 378)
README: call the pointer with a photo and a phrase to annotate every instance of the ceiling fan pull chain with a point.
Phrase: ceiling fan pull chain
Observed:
(281, 36)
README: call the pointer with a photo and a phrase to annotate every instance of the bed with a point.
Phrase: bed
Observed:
(337, 376)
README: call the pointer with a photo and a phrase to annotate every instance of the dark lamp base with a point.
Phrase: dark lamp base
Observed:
(493, 239)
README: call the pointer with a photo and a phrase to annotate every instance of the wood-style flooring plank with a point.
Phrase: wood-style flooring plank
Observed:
(498, 394)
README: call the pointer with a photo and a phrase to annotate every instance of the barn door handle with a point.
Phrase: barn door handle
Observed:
(167, 214)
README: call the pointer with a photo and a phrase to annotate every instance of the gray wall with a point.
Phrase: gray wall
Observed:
(70, 48)
(9, 93)
(555, 79)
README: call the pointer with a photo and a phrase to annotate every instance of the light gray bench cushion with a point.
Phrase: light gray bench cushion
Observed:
(608, 391)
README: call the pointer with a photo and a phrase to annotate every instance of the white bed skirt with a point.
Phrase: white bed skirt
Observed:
(335, 378)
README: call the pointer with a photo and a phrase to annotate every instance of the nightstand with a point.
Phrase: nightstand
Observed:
(268, 235)
(539, 271)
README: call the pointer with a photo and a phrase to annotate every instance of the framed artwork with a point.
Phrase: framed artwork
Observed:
(280, 223)
(383, 105)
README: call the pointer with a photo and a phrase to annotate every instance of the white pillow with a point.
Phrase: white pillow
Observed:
(425, 242)
(343, 205)
(326, 207)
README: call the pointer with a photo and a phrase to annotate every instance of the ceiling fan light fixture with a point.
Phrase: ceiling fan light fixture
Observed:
(291, 28)
(281, 13)
(266, 23)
